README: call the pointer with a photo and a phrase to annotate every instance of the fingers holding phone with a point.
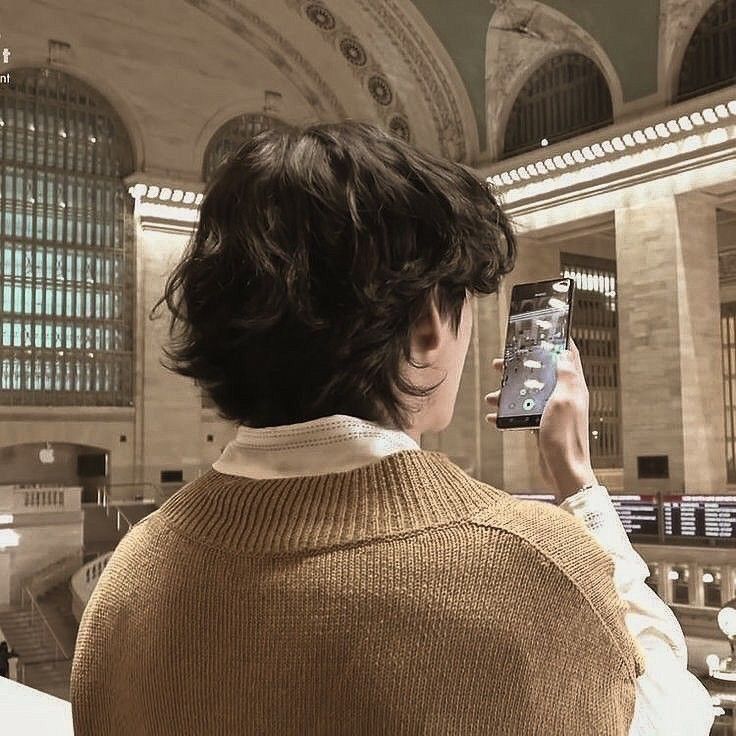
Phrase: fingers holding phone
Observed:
(563, 437)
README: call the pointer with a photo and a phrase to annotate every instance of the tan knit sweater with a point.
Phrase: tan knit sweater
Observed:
(402, 597)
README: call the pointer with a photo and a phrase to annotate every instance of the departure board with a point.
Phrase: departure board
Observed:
(700, 517)
(639, 515)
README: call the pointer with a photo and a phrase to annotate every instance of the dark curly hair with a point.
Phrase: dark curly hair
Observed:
(317, 249)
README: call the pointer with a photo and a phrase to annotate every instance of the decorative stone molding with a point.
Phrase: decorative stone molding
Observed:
(164, 205)
(280, 51)
(456, 133)
(362, 62)
(679, 149)
(511, 58)
(441, 87)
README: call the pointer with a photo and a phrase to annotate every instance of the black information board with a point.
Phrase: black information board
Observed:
(706, 520)
(700, 518)
(639, 515)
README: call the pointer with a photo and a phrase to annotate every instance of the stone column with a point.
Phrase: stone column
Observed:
(169, 431)
(670, 343)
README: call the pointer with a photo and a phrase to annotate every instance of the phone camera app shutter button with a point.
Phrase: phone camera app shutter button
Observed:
(528, 404)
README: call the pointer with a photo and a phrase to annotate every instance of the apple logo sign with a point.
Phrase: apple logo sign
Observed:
(46, 455)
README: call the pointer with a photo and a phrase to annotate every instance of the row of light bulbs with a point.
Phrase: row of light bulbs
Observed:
(683, 124)
(165, 194)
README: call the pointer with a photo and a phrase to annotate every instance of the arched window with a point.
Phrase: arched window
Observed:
(710, 58)
(566, 96)
(66, 270)
(231, 135)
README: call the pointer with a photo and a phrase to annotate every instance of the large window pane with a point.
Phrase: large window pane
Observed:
(63, 153)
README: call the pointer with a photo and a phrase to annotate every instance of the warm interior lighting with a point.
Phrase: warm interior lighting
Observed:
(8, 538)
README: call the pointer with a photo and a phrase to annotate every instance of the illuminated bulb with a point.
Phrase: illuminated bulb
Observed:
(684, 122)
(92, 139)
(697, 118)
(639, 136)
(522, 172)
(32, 128)
(607, 146)
(165, 193)
(153, 191)
(708, 577)
(568, 159)
(731, 105)
(2, 123)
(672, 126)
(62, 205)
(661, 130)
(598, 152)
(188, 197)
(727, 620)
(650, 133)
(577, 155)
(721, 111)
(138, 190)
(6, 518)
(540, 168)
(506, 178)
(531, 170)
(673, 575)
(199, 198)
(709, 115)
(8, 538)
(544, 142)
(62, 134)
(549, 163)
(514, 175)
(628, 140)
(589, 155)
(497, 181)
(713, 661)
(618, 144)
(559, 162)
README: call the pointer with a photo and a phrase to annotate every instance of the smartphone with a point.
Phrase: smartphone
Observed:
(538, 331)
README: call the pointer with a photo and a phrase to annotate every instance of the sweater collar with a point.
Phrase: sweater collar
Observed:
(400, 493)
(327, 445)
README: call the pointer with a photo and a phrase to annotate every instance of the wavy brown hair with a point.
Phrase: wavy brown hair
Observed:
(317, 249)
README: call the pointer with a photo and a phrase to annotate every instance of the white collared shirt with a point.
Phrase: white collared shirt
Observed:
(670, 701)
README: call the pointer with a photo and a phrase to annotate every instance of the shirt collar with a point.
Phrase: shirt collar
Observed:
(327, 445)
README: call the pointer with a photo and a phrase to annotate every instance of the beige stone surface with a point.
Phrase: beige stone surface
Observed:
(671, 385)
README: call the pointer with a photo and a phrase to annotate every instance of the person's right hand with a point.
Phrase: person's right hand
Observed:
(564, 444)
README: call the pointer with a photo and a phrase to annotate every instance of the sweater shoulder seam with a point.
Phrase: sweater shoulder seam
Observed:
(572, 580)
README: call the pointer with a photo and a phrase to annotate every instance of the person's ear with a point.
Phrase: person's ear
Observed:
(426, 334)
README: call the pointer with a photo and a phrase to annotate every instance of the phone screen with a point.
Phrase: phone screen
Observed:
(538, 331)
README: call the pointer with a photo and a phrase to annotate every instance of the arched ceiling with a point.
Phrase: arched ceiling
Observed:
(626, 30)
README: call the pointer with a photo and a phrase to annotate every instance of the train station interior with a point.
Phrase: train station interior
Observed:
(607, 131)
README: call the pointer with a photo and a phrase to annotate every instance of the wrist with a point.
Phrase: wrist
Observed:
(573, 480)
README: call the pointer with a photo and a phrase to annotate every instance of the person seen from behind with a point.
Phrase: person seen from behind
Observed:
(341, 579)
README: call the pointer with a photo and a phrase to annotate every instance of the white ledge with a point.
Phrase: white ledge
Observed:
(25, 710)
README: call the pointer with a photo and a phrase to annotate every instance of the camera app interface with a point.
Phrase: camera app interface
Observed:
(537, 333)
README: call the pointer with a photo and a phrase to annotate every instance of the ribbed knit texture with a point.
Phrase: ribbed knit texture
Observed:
(403, 597)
